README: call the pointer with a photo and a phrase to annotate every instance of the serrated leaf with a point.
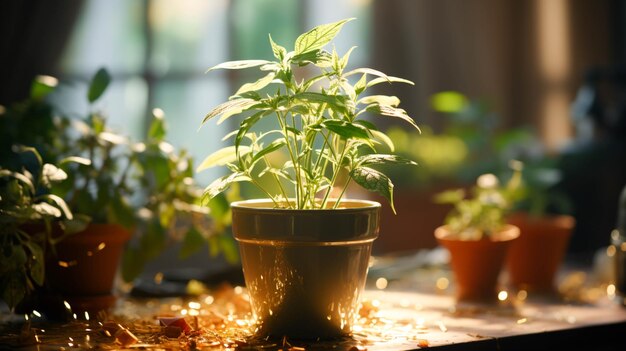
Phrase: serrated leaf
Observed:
(273, 146)
(222, 183)
(258, 85)
(380, 136)
(222, 157)
(98, 85)
(279, 51)
(319, 36)
(380, 99)
(239, 64)
(372, 159)
(392, 112)
(388, 79)
(345, 129)
(229, 108)
(374, 180)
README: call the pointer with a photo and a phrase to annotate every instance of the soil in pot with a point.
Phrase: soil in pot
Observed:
(535, 257)
(305, 269)
(477, 264)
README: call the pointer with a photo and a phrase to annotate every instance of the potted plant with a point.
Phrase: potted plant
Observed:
(542, 214)
(478, 236)
(305, 248)
(28, 212)
(123, 188)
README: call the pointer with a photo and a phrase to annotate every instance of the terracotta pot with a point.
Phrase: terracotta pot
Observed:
(84, 267)
(477, 264)
(305, 269)
(534, 259)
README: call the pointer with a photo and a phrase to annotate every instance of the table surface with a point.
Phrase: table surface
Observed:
(408, 309)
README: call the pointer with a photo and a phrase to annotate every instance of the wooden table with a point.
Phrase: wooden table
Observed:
(414, 311)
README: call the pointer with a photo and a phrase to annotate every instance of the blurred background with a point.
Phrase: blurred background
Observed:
(495, 80)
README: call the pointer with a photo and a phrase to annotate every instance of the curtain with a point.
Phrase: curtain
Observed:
(33, 34)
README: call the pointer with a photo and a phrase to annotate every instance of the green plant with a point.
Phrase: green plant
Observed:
(28, 211)
(483, 212)
(146, 186)
(320, 124)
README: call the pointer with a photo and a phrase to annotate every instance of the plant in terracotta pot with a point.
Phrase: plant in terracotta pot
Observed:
(477, 235)
(542, 214)
(305, 247)
(123, 189)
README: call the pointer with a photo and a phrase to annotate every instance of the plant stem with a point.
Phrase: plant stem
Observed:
(283, 125)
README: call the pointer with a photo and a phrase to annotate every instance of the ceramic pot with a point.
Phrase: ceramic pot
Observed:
(535, 257)
(305, 269)
(477, 264)
(83, 270)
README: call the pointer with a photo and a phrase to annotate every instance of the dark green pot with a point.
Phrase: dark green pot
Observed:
(305, 269)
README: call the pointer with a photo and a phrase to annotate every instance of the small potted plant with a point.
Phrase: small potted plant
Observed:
(542, 214)
(123, 189)
(305, 247)
(477, 234)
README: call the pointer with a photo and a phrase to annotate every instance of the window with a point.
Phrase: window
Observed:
(158, 50)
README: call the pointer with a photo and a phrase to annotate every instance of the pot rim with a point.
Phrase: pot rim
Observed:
(507, 233)
(266, 205)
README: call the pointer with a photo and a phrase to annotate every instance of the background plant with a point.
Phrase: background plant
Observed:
(320, 124)
(147, 187)
(483, 212)
(28, 212)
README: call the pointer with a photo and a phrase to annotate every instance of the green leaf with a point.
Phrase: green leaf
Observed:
(122, 212)
(191, 244)
(99, 83)
(317, 37)
(42, 86)
(62, 205)
(240, 64)
(157, 129)
(380, 99)
(374, 180)
(383, 159)
(279, 51)
(80, 160)
(273, 146)
(222, 157)
(246, 124)
(13, 287)
(37, 263)
(388, 79)
(47, 210)
(336, 102)
(392, 112)
(52, 173)
(258, 85)
(222, 183)
(345, 129)
(229, 108)
(382, 137)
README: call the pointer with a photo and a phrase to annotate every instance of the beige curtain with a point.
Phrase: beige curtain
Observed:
(526, 58)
